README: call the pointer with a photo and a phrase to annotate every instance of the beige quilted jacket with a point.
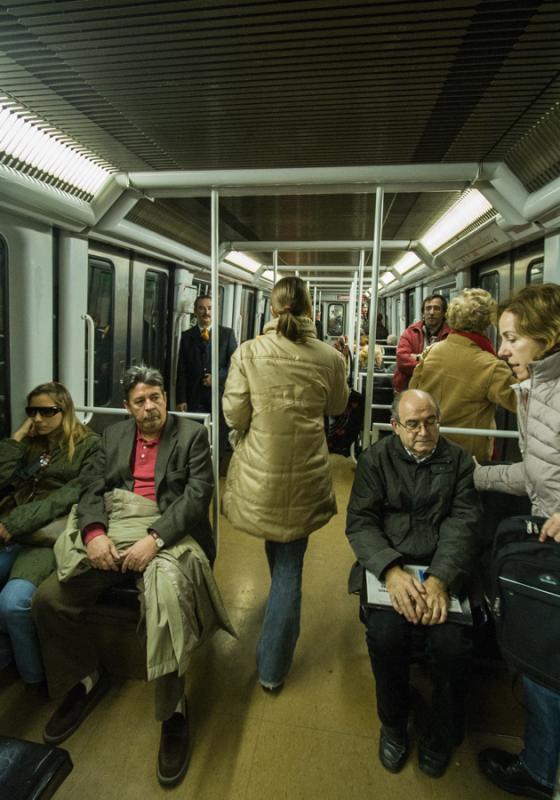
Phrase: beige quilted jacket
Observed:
(276, 397)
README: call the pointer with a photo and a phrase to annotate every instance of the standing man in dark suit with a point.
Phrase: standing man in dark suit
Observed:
(194, 379)
(155, 458)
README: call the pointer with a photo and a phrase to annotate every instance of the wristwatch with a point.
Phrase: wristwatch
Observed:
(157, 539)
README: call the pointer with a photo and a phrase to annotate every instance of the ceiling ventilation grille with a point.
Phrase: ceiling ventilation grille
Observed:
(33, 148)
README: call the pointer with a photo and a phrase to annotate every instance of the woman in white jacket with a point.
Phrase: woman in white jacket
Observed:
(530, 330)
(279, 389)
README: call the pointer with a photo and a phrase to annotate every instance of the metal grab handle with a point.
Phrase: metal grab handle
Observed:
(90, 363)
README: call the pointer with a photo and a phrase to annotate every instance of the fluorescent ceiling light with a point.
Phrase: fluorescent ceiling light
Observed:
(23, 141)
(468, 208)
(387, 278)
(406, 262)
(243, 261)
(268, 274)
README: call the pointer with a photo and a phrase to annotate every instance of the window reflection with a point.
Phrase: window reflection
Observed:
(335, 319)
(154, 320)
(101, 287)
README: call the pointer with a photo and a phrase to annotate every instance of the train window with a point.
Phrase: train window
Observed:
(101, 293)
(443, 291)
(491, 283)
(535, 271)
(154, 325)
(335, 319)
(4, 362)
(247, 311)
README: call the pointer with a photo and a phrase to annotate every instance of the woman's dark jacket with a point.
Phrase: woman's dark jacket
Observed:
(401, 511)
(48, 494)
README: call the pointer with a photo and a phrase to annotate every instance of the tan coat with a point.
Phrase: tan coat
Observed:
(277, 394)
(467, 383)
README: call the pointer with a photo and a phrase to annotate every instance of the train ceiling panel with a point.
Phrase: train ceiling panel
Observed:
(292, 83)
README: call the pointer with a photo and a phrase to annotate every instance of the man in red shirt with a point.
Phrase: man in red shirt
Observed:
(418, 336)
(163, 459)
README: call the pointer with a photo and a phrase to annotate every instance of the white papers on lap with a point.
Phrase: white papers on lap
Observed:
(377, 595)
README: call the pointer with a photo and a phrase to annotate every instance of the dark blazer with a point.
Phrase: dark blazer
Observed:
(194, 360)
(184, 481)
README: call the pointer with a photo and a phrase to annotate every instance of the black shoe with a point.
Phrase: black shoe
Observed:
(433, 756)
(174, 749)
(74, 709)
(506, 771)
(393, 748)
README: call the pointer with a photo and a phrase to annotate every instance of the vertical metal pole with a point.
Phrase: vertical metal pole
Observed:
(351, 316)
(275, 266)
(314, 302)
(215, 250)
(377, 231)
(359, 317)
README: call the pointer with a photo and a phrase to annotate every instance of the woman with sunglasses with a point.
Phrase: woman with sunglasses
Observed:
(42, 469)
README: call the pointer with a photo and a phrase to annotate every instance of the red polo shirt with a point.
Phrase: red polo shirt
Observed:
(144, 477)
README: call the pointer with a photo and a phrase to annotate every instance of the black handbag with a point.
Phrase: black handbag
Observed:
(344, 429)
(525, 599)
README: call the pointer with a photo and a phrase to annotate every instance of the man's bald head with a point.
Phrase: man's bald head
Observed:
(415, 420)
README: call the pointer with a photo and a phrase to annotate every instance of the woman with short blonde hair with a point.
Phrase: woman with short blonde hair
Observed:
(464, 375)
(472, 310)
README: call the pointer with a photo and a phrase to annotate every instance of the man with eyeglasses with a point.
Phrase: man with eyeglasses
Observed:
(413, 502)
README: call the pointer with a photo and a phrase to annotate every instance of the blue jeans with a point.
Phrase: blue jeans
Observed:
(18, 638)
(542, 733)
(280, 631)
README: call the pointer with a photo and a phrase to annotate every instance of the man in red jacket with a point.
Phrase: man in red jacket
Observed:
(414, 340)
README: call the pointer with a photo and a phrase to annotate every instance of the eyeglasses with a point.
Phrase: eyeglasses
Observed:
(43, 411)
(415, 424)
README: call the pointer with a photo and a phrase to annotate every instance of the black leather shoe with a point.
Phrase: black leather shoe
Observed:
(174, 749)
(433, 757)
(393, 748)
(74, 709)
(506, 771)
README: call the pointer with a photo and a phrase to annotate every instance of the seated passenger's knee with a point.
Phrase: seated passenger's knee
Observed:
(15, 598)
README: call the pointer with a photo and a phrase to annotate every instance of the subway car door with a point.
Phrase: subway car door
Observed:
(149, 334)
(128, 301)
(108, 305)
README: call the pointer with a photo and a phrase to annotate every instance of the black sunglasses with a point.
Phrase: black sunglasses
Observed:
(43, 411)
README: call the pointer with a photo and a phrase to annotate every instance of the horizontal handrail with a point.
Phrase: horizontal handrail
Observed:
(205, 419)
(497, 434)
(199, 417)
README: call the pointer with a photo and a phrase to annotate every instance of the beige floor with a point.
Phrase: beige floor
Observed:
(315, 741)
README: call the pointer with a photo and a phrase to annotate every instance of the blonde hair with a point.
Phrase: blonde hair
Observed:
(537, 314)
(379, 352)
(72, 429)
(291, 303)
(472, 310)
